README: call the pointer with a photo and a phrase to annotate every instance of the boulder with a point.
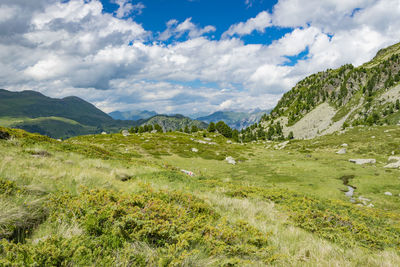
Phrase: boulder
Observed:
(393, 165)
(394, 158)
(103, 133)
(388, 194)
(342, 151)
(345, 145)
(125, 133)
(230, 160)
(363, 161)
(195, 150)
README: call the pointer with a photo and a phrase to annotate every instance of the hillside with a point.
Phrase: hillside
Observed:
(58, 118)
(133, 115)
(173, 122)
(234, 119)
(332, 100)
(114, 200)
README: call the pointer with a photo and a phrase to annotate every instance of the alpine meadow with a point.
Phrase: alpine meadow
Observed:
(163, 133)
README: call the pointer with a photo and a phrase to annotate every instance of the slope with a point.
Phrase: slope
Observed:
(58, 118)
(332, 100)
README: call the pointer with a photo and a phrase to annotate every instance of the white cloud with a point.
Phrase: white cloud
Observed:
(259, 23)
(74, 48)
(176, 29)
(126, 8)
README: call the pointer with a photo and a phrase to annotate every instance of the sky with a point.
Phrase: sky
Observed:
(185, 56)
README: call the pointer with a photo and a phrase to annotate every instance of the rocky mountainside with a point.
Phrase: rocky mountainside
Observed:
(335, 99)
(173, 122)
(234, 119)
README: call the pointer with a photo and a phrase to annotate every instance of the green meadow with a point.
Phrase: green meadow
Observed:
(124, 200)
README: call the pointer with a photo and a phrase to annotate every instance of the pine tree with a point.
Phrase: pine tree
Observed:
(211, 127)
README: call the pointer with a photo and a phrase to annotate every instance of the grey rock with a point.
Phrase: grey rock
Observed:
(342, 151)
(230, 160)
(363, 161)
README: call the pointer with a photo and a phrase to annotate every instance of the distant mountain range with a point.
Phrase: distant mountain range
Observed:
(72, 116)
(174, 122)
(235, 119)
(132, 115)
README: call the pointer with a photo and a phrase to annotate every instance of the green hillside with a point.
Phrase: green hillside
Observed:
(124, 200)
(32, 104)
(57, 118)
(332, 100)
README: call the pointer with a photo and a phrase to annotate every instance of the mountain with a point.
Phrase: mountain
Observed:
(132, 115)
(58, 118)
(33, 104)
(174, 122)
(330, 101)
(235, 119)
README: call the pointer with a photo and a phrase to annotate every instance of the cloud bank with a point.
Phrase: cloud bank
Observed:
(74, 48)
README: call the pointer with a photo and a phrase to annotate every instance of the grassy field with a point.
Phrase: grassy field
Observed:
(114, 200)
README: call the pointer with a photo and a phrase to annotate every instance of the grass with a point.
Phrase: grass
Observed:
(81, 193)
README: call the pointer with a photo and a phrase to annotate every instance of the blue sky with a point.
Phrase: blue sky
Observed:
(185, 56)
(219, 13)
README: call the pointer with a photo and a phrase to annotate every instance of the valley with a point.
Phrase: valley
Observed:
(278, 204)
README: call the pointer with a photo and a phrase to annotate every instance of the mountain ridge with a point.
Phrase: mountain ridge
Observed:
(350, 96)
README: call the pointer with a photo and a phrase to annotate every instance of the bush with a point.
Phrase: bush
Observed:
(174, 225)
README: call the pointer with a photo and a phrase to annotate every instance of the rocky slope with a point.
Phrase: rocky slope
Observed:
(332, 100)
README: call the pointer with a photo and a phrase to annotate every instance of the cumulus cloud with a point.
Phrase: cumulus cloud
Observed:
(176, 29)
(258, 23)
(74, 48)
(126, 8)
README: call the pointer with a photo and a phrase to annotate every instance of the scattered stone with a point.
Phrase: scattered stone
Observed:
(154, 131)
(125, 133)
(195, 150)
(230, 160)
(345, 145)
(394, 158)
(281, 145)
(204, 142)
(363, 198)
(188, 172)
(363, 161)
(229, 142)
(393, 165)
(342, 151)
(370, 205)
(373, 137)
(207, 139)
(59, 140)
(103, 133)
(388, 194)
